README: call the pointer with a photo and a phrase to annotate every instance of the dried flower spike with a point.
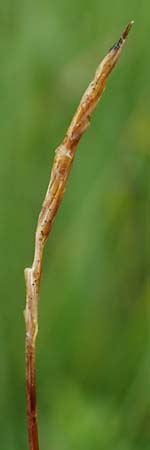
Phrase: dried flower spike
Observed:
(64, 155)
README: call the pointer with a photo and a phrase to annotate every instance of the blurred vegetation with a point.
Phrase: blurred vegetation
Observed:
(93, 366)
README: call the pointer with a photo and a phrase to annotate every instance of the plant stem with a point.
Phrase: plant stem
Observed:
(63, 159)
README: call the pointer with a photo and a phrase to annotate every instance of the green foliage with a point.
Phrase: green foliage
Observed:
(92, 363)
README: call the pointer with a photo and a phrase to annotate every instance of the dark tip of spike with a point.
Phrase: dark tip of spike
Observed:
(125, 33)
(127, 29)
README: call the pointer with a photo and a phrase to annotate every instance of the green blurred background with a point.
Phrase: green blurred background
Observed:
(92, 348)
